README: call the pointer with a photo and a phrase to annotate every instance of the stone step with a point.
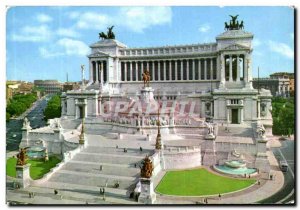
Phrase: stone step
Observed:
(113, 150)
(74, 194)
(117, 154)
(104, 176)
(106, 158)
(89, 167)
(97, 181)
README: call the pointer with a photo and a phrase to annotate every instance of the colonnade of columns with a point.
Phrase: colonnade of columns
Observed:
(98, 71)
(162, 70)
(234, 67)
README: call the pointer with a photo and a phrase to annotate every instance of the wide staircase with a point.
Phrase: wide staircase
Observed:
(97, 167)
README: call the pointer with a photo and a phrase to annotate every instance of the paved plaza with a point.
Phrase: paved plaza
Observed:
(103, 163)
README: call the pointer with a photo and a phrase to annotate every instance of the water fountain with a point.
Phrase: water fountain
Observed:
(235, 167)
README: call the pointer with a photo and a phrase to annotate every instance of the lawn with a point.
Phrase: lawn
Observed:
(37, 167)
(199, 182)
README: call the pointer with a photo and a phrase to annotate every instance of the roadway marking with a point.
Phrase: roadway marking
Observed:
(286, 197)
(286, 161)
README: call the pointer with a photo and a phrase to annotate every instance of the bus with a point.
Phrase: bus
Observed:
(283, 166)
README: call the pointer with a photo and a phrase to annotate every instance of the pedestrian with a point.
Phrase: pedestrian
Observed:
(271, 177)
(249, 176)
(103, 190)
(258, 182)
(219, 196)
(29, 194)
(55, 192)
(141, 149)
(245, 175)
(135, 165)
(101, 167)
(117, 146)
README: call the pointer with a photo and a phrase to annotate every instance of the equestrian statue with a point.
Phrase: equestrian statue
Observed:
(146, 77)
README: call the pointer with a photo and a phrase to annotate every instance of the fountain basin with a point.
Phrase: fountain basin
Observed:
(235, 167)
(235, 164)
(36, 152)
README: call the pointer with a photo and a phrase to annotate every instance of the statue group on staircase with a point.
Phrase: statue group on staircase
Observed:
(22, 157)
(147, 168)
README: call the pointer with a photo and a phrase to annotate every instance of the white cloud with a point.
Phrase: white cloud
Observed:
(65, 46)
(256, 42)
(140, 18)
(136, 19)
(282, 49)
(43, 18)
(40, 33)
(73, 47)
(204, 28)
(67, 32)
(90, 20)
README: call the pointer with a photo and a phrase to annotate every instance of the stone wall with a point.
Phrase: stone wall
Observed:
(181, 157)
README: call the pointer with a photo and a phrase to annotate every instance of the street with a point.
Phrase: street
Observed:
(286, 194)
(13, 127)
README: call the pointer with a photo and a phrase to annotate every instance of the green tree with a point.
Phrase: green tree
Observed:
(53, 109)
(7, 116)
(283, 112)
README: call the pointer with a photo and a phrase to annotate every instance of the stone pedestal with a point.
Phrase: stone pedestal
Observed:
(209, 157)
(147, 195)
(210, 136)
(262, 162)
(147, 94)
(23, 175)
(120, 136)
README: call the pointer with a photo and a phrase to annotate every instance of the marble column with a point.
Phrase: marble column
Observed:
(187, 69)
(211, 68)
(97, 72)
(242, 115)
(176, 63)
(125, 72)
(223, 79)
(181, 69)
(230, 68)
(228, 115)
(136, 71)
(238, 68)
(153, 72)
(170, 69)
(141, 71)
(131, 70)
(158, 68)
(205, 69)
(91, 71)
(194, 69)
(101, 72)
(245, 68)
(199, 69)
(165, 72)
(258, 109)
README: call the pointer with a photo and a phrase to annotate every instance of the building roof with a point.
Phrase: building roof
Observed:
(108, 43)
(234, 34)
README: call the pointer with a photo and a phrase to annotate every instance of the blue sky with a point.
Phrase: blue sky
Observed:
(48, 42)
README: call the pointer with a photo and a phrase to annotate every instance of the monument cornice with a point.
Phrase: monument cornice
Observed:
(170, 57)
